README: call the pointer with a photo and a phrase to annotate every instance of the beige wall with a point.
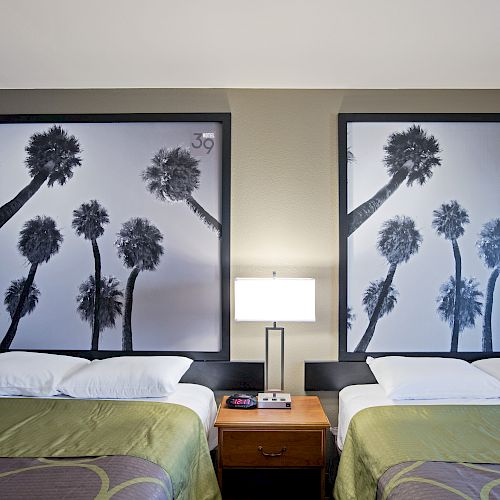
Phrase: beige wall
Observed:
(284, 183)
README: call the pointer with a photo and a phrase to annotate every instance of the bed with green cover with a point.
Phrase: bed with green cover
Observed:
(421, 452)
(97, 449)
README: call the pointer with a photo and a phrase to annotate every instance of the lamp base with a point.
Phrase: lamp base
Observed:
(277, 400)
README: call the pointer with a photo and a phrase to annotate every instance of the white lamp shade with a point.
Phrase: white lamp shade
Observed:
(274, 299)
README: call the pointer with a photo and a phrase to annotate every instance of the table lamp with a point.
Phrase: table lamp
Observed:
(274, 299)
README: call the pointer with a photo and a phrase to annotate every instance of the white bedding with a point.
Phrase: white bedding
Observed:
(198, 398)
(355, 398)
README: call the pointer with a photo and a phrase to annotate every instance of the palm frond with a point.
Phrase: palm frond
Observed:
(371, 295)
(138, 244)
(488, 244)
(399, 239)
(13, 294)
(470, 305)
(173, 174)
(54, 151)
(449, 220)
(351, 317)
(414, 150)
(89, 219)
(110, 301)
(39, 239)
(350, 156)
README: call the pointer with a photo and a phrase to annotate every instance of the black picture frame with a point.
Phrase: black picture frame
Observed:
(343, 120)
(225, 120)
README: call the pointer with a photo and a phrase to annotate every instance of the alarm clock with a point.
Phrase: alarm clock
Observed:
(241, 401)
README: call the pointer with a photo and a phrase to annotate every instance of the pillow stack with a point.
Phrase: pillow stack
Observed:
(125, 377)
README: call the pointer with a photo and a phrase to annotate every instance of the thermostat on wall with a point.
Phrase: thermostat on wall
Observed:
(274, 400)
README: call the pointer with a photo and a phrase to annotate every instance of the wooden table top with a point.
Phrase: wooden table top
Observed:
(306, 413)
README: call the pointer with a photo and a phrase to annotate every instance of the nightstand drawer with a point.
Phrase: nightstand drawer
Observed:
(272, 448)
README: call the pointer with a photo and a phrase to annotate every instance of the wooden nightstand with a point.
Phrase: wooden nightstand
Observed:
(273, 439)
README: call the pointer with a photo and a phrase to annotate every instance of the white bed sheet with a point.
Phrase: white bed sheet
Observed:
(355, 398)
(198, 398)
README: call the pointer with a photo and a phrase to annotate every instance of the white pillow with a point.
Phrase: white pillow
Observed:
(432, 378)
(490, 366)
(35, 373)
(127, 377)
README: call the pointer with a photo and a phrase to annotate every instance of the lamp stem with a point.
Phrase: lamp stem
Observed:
(282, 359)
(266, 374)
(282, 333)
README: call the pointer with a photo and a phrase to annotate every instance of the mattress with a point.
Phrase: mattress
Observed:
(355, 398)
(198, 398)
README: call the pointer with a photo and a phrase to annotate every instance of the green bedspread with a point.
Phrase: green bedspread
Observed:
(170, 435)
(381, 437)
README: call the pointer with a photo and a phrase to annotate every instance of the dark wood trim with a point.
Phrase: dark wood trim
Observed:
(225, 120)
(227, 375)
(342, 138)
(419, 117)
(225, 258)
(116, 117)
(343, 120)
(335, 375)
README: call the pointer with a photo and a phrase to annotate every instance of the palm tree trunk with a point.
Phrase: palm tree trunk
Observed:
(127, 316)
(11, 332)
(367, 337)
(458, 298)
(210, 221)
(487, 335)
(8, 210)
(362, 213)
(97, 296)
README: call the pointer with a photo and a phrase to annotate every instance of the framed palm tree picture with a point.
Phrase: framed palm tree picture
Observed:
(419, 234)
(114, 233)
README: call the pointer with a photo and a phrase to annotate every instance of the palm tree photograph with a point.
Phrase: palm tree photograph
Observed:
(470, 297)
(398, 241)
(371, 297)
(173, 175)
(50, 156)
(411, 156)
(449, 221)
(421, 229)
(39, 240)
(140, 201)
(488, 246)
(139, 246)
(88, 221)
(13, 294)
(111, 303)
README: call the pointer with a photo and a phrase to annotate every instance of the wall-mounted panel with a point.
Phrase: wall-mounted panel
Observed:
(114, 233)
(420, 234)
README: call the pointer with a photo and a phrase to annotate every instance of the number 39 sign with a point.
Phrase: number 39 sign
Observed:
(204, 140)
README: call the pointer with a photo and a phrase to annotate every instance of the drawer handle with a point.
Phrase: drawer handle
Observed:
(271, 454)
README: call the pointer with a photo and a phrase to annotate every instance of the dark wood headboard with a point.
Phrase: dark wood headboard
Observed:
(335, 375)
(227, 375)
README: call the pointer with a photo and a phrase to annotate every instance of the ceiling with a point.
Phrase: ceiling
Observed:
(251, 44)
